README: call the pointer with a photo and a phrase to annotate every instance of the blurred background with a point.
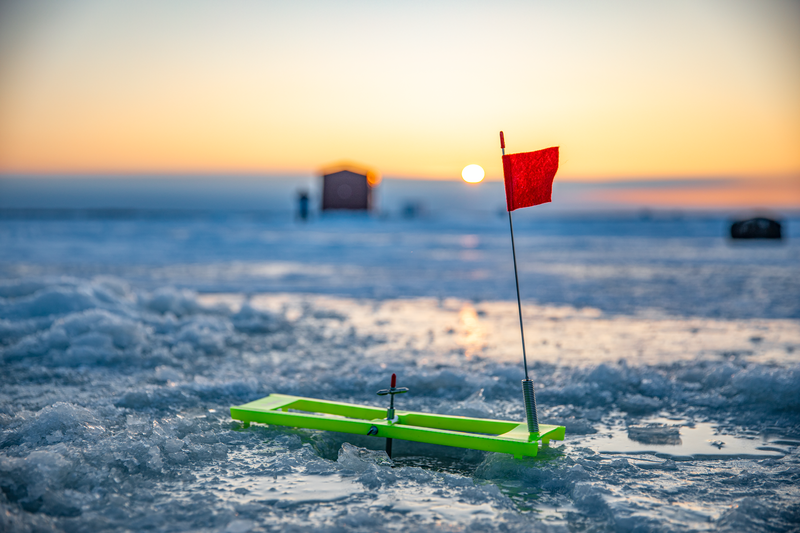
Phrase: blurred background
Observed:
(191, 137)
(218, 105)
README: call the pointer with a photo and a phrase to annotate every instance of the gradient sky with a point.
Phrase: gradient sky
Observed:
(628, 89)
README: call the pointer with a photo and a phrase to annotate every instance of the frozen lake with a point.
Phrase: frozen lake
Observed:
(670, 354)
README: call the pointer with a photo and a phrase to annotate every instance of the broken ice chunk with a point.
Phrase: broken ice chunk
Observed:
(655, 434)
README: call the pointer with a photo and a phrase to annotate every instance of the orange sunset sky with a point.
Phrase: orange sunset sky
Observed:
(627, 89)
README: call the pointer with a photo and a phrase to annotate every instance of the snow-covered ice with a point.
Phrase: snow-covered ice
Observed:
(670, 354)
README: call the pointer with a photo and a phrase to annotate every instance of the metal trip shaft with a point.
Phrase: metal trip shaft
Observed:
(530, 405)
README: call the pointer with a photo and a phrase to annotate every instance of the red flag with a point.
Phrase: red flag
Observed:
(529, 177)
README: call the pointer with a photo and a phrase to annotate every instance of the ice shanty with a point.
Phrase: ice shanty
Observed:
(348, 186)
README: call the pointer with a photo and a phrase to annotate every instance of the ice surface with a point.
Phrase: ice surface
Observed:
(678, 264)
(117, 376)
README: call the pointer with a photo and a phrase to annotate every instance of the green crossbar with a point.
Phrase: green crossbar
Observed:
(462, 432)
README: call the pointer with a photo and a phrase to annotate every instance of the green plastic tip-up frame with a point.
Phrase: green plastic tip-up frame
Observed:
(474, 433)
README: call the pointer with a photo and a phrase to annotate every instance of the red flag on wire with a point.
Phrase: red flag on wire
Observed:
(529, 177)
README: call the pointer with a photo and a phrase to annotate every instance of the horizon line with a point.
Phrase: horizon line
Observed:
(650, 180)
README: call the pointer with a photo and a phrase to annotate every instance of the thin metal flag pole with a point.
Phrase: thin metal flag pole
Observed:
(519, 302)
(527, 384)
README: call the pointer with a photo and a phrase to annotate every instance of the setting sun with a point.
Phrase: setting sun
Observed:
(473, 174)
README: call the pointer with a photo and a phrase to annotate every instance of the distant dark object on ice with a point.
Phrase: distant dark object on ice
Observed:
(756, 228)
(348, 186)
(302, 205)
(412, 209)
